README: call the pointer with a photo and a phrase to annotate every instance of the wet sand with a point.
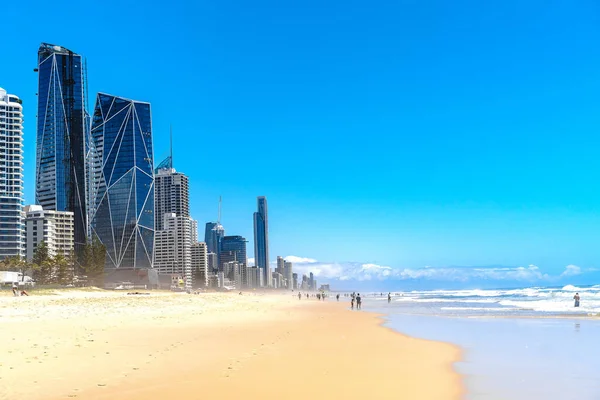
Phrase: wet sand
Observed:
(107, 345)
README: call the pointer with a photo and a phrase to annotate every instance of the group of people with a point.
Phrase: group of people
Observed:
(355, 298)
(319, 296)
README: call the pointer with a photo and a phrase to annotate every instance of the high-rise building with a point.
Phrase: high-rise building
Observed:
(213, 234)
(195, 231)
(123, 183)
(54, 228)
(234, 271)
(261, 239)
(280, 265)
(11, 176)
(63, 141)
(233, 248)
(171, 195)
(295, 280)
(213, 265)
(253, 277)
(199, 264)
(288, 273)
(172, 248)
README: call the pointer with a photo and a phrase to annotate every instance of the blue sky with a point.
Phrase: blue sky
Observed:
(395, 133)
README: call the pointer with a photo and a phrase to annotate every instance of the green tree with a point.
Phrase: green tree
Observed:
(41, 272)
(62, 270)
(92, 259)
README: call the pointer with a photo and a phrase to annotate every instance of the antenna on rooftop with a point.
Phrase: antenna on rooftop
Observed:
(219, 219)
(171, 143)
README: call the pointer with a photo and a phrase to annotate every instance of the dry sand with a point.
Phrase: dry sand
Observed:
(107, 345)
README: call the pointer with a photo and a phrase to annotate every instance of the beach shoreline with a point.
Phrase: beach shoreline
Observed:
(107, 345)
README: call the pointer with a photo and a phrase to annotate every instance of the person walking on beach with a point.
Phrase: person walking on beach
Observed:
(389, 298)
(576, 298)
(299, 296)
(352, 304)
(358, 302)
(338, 297)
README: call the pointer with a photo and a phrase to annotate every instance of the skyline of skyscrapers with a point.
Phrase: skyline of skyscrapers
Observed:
(261, 239)
(123, 213)
(62, 139)
(11, 176)
(98, 170)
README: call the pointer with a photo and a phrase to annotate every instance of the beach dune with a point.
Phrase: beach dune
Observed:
(106, 345)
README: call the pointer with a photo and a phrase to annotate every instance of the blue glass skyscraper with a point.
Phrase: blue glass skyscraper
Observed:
(233, 248)
(62, 136)
(261, 239)
(213, 234)
(123, 181)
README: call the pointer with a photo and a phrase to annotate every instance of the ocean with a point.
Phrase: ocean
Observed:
(526, 343)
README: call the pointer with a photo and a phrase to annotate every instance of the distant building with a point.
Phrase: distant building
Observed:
(295, 281)
(311, 282)
(213, 265)
(172, 253)
(123, 182)
(54, 228)
(324, 288)
(277, 280)
(199, 259)
(304, 285)
(11, 176)
(233, 248)
(289, 275)
(261, 239)
(213, 234)
(280, 265)
(253, 277)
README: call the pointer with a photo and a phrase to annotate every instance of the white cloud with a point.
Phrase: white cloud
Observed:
(300, 260)
(571, 270)
(251, 261)
(369, 271)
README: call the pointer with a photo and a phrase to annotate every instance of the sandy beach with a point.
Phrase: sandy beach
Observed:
(108, 345)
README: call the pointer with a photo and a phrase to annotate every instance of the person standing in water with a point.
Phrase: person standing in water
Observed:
(358, 302)
(299, 296)
(337, 297)
(389, 298)
(352, 303)
(576, 298)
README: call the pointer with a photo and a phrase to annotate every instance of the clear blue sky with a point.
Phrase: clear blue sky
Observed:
(400, 133)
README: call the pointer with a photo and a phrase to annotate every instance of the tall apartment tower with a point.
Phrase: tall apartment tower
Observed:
(199, 258)
(122, 167)
(171, 193)
(288, 273)
(63, 140)
(54, 228)
(11, 176)
(280, 265)
(172, 249)
(261, 239)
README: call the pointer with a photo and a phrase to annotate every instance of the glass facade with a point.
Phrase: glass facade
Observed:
(261, 239)
(123, 181)
(213, 234)
(233, 248)
(62, 136)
